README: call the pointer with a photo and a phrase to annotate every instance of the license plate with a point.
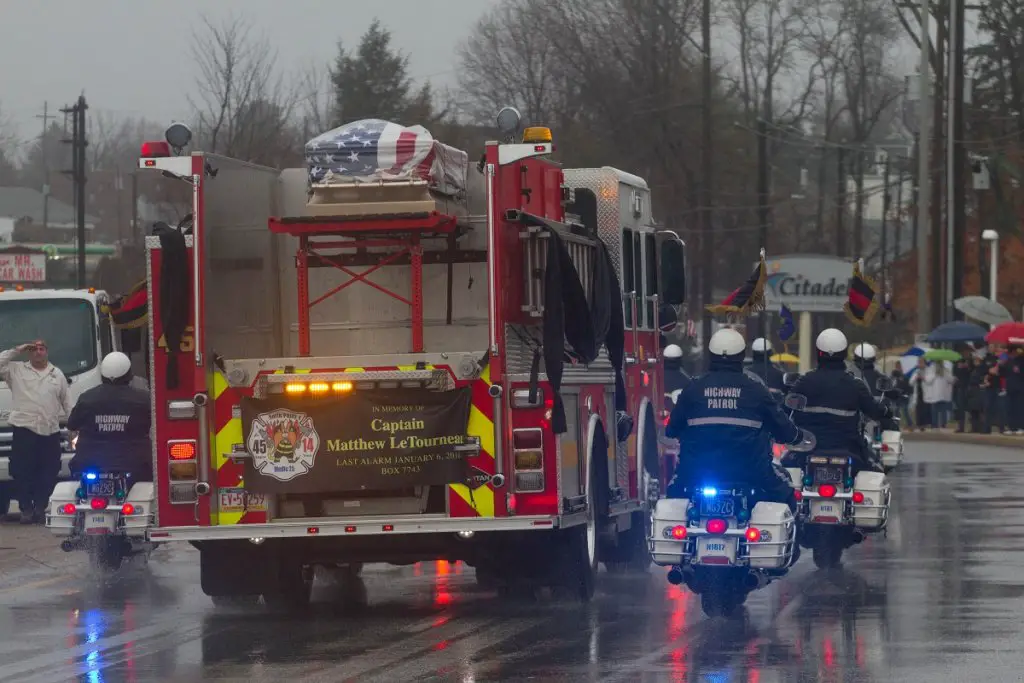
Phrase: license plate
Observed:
(716, 550)
(826, 510)
(240, 500)
(100, 522)
(100, 487)
(716, 507)
(828, 475)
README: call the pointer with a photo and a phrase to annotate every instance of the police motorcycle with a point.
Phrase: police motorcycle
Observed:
(104, 514)
(836, 508)
(722, 542)
(107, 512)
(885, 444)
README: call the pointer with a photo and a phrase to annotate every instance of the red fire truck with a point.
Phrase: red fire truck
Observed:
(457, 400)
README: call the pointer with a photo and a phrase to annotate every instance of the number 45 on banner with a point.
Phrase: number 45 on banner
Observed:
(188, 341)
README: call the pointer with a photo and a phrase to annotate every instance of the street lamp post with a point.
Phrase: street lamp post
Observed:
(992, 237)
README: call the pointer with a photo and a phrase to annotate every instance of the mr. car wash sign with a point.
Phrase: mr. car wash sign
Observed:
(816, 284)
(362, 440)
(22, 266)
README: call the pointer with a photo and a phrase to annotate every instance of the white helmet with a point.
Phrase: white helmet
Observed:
(673, 351)
(864, 351)
(761, 345)
(831, 342)
(727, 342)
(115, 365)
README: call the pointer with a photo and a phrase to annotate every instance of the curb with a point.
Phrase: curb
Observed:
(993, 440)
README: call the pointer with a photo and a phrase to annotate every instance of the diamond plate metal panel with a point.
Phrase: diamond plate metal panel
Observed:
(604, 183)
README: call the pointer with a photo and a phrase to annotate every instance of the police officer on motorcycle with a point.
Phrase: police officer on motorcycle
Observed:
(760, 365)
(836, 400)
(676, 378)
(725, 421)
(113, 423)
(864, 356)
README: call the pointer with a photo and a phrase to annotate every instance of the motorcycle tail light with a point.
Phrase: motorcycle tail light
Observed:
(753, 535)
(69, 509)
(827, 491)
(99, 503)
(127, 509)
(799, 495)
(858, 497)
(717, 526)
(678, 532)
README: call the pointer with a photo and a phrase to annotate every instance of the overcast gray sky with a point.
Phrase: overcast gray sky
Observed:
(132, 57)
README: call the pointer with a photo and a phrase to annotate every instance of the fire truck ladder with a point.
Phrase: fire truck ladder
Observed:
(341, 242)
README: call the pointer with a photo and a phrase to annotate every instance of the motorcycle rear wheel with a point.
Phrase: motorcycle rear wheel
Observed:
(828, 553)
(105, 553)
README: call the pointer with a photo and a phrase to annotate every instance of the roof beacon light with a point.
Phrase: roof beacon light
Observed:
(155, 150)
(537, 135)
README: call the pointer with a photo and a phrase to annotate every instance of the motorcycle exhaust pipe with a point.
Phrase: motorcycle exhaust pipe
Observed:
(68, 545)
(675, 576)
(755, 581)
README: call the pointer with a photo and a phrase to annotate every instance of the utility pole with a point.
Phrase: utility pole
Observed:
(858, 210)
(46, 162)
(899, 213)
(886, 193)
(707, 171)
(764, 195)
(78, 144)
(956, 218)
(924, 138)
(840, 202)
(937, 255)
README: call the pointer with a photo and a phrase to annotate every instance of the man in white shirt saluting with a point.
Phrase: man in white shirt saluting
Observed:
(39, 397)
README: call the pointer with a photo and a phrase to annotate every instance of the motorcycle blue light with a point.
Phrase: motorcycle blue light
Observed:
(90, 476)
(710, 492)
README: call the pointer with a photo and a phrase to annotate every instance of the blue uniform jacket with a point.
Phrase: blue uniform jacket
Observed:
(835, 402)
(725, 421)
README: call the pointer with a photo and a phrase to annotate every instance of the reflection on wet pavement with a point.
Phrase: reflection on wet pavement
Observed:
(938, 600)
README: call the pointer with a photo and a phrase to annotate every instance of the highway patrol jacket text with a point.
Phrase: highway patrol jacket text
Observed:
(113, 423)
(725, 421)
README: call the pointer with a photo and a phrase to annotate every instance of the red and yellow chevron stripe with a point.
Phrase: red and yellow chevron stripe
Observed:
(463, 502)
(227, 433)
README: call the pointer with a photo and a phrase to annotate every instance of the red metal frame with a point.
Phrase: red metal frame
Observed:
(403, 232)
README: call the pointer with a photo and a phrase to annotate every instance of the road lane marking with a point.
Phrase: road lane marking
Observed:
(37, 584)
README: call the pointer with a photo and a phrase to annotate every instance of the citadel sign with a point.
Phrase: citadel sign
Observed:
(815, 284)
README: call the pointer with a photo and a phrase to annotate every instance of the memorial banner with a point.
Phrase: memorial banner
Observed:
(361, 440)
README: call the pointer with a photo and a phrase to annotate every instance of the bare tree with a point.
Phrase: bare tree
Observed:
(114, 141)
(506, 61)
(8, 150)
(868, 61)
(315, 107)
(244, 107)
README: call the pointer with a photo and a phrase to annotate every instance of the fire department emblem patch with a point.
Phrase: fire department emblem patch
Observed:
(283, 444)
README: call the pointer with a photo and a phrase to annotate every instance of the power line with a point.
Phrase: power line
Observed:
(45, 116)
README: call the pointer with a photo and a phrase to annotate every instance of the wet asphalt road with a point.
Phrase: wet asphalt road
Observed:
(940, 599)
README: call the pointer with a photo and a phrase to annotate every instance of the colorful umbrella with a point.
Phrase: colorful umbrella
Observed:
(1007, 333)
(957, 331)
(942, 355)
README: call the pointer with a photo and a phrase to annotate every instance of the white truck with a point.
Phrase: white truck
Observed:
(78, 334)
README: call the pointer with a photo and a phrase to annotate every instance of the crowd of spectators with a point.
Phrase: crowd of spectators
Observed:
(978, 394)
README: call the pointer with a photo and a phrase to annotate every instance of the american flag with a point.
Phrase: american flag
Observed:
(370, 149)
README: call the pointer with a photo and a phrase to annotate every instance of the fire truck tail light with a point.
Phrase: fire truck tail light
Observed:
(317, 389)
(184, 471)
(153, 150)
(528, 459)
(529, 482)
(181, 450)
(181, 410)
(521, 398)
(295, 388)
(527, 439)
